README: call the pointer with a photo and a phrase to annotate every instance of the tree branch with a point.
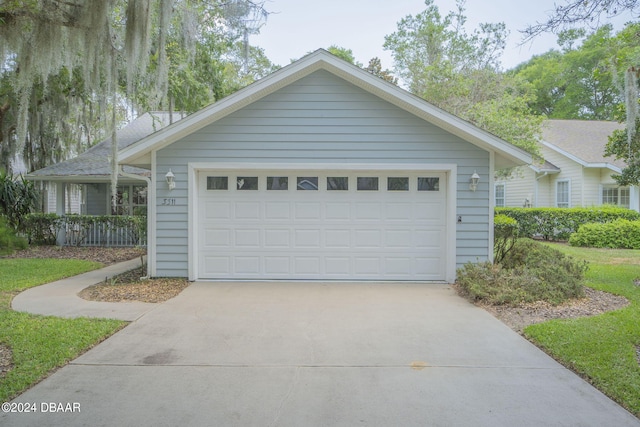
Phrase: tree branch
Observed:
(580, 11)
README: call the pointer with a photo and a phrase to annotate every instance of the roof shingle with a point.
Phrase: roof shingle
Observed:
(94, 163)
(583, 139)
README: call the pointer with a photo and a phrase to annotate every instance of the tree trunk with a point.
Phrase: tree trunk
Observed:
(4, 149)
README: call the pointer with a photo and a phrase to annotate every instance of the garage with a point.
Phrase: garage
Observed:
(320, 171)
(321, 225)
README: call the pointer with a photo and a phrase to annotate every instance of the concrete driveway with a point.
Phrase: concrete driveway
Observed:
(317, 354)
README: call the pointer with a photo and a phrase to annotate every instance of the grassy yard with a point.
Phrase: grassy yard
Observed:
(603, 349)
(41, 344)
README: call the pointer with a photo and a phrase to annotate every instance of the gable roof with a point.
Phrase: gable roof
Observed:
(94, 165)
(582, 141)
(506, 154)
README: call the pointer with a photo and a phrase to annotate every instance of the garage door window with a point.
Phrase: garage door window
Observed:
(337, 183)
(397, 184)
(307, 183)
(277, 183)
(367, 183)
(429, 184)
(217, 183)
(247, 183)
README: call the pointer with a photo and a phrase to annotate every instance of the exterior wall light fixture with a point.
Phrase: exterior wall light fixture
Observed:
(171, 180)
(473, 181)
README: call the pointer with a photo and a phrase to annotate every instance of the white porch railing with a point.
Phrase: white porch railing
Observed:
(111, 233)
(101, 235)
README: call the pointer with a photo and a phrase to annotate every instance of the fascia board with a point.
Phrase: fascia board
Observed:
(581, 162)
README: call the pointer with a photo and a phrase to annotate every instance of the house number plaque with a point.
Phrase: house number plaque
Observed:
(168, 202)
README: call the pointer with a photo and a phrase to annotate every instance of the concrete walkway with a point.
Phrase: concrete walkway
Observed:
(317, 354)
(61, 298)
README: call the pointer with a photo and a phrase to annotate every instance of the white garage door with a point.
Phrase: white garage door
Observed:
(332, 225)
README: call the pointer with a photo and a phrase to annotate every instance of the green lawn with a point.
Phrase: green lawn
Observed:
(601, 348)
(41, 344)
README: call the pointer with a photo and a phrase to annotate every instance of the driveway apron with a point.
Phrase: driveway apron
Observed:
(316, 354)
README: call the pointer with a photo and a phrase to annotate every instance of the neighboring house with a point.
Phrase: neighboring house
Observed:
(575, 172)
(83, 184)
(320, 171)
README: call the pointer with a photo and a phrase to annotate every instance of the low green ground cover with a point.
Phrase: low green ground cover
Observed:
(529, 271)
(603, 349)
(40, 344)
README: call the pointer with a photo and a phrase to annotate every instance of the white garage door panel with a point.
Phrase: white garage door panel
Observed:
(321, 234)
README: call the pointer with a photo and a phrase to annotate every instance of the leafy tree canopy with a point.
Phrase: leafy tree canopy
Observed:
(79, 64)
(460, 72)
(585, 79)
(626, 147)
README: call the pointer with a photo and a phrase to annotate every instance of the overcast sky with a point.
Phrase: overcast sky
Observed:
(297, 27)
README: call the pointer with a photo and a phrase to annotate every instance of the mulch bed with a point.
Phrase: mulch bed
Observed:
(107, 256)
(517, 318)
(129, 287)
(124, 287)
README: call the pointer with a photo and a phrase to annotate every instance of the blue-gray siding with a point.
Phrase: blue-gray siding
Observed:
(321, 118)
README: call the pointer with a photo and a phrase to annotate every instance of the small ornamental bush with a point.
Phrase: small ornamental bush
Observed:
(9, 241)
(530, 271)
(505, 235)
(18, 197)
(619, 234)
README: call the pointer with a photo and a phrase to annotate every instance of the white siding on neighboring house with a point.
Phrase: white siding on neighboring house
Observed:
(320, 119)
(519, 187)
(591, 187)
(543, 191)
(571, 172)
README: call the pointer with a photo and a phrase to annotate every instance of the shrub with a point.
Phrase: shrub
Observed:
(44, 228)
(560, 223)
(9, 241)
(531, 271)
(18, 197)
(505, 235)
(41, 229)
(622, 234)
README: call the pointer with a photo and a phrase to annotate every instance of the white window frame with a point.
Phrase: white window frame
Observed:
(563, 204)
(618, 195)
(504, 194)
(127, 206)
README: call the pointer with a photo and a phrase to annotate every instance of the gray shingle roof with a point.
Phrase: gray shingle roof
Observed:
(94, 163)
(583, 139)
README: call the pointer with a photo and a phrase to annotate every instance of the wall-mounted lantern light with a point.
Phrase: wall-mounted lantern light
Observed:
(473, 181)
(170, 177)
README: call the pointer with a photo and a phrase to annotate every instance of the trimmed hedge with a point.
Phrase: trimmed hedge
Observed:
(619, 234)
(44, 228)
(560, 223)
(41, 228)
